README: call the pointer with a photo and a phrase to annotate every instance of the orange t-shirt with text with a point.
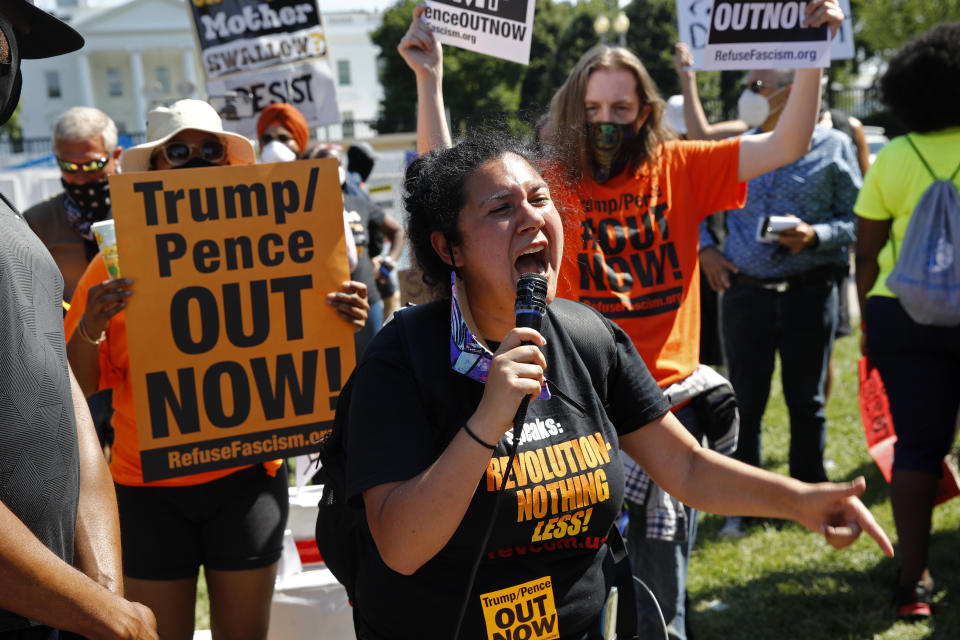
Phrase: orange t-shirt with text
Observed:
(631, 247)
(115, 374)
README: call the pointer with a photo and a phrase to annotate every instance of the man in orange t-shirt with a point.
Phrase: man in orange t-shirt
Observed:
(631, 253)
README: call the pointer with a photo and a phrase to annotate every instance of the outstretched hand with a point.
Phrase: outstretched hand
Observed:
(833, 510)
(419, 46)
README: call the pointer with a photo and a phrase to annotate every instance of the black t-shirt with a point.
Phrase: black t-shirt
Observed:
(39, 472)
(543, 567)
(364, 218)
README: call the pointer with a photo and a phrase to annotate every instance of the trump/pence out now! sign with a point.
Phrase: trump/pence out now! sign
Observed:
(235, 355)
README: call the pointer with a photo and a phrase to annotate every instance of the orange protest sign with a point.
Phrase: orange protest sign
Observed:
(235, 356)
(881, 436)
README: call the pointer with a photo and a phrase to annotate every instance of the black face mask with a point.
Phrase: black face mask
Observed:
(86, 204)
(92, 196)
(611, 146)
(10, 78)
(197, 163)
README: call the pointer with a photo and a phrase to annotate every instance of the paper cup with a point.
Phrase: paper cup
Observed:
(106, 237)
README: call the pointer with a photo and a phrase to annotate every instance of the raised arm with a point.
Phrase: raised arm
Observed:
(709, 481)
(420, 49)
(693, 116)
(763, 152)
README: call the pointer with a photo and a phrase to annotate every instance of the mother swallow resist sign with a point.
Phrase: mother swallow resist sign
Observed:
(235, 356)
(764, 35)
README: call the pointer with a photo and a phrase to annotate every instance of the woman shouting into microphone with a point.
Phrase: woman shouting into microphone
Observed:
(434, 475)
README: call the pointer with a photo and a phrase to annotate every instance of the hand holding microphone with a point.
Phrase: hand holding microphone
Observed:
(517, 370)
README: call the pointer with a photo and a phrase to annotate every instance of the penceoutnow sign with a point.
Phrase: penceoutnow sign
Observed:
(764, 35)
(499, 28)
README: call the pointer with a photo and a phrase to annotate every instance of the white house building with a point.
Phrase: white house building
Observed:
(142, 53)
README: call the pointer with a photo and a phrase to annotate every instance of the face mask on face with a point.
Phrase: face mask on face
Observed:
(197, 163)
(610, 147)
(86, 204)
(754, 109)
(276, 151)
(10, 79)
(92, 196)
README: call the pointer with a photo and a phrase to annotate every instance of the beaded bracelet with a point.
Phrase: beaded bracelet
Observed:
(492, 447)
(83, 333)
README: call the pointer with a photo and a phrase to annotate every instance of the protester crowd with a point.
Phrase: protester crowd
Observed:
(442, 441)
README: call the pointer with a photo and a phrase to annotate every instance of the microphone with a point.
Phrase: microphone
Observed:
(531, 301)
(529, 308)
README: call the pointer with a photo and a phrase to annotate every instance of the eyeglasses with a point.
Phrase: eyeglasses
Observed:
(267, 138)
(178, 153)
(91, 166)
(758, 85)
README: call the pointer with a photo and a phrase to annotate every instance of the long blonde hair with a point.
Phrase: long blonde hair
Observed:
(567, 123)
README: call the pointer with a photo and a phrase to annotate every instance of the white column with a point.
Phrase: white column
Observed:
(189, 71)
(136, 89)
(85, 80)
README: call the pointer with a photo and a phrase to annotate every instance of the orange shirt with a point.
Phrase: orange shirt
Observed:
(115, 373)
(631, 247)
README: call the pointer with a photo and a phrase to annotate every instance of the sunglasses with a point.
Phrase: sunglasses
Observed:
(93, 166)
(758, 85)
(267, 138)
(178, 153)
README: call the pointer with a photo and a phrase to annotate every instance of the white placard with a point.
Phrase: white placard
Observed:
(499, 28)
(763, 35)
(309, 86)
(234, 36)
(693, 24)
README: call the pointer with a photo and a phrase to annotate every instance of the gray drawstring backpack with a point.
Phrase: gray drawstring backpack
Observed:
(926, 273)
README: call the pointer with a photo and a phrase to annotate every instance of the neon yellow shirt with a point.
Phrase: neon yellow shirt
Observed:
(895, 182)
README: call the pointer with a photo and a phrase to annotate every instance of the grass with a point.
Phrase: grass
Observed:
(202, 616)
(781, 581)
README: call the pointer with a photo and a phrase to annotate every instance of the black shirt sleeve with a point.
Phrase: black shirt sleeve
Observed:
(389, 435)
(634, 398)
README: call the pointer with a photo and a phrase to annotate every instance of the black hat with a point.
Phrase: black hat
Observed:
(39, 34)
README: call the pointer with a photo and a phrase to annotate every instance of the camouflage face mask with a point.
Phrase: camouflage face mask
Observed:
(610, 145)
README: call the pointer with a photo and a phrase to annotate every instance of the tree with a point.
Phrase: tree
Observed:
(539, 81)
(398, 109)
(11, 128)
(652, 34)
(576, 39)
(885, 25)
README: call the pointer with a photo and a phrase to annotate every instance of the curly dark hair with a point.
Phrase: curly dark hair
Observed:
(434, 194)
(922, 82)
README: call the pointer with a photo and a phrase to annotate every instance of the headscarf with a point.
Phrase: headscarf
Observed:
(288, 117)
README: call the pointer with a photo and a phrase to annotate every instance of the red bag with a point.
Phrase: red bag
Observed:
(878, 427)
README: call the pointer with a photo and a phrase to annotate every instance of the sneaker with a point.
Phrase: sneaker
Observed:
(913, 603)
(732, 528)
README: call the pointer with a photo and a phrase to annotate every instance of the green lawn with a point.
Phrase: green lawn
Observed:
(781, 581)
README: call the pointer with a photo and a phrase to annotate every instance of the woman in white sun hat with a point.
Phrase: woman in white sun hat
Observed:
(230, 521)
